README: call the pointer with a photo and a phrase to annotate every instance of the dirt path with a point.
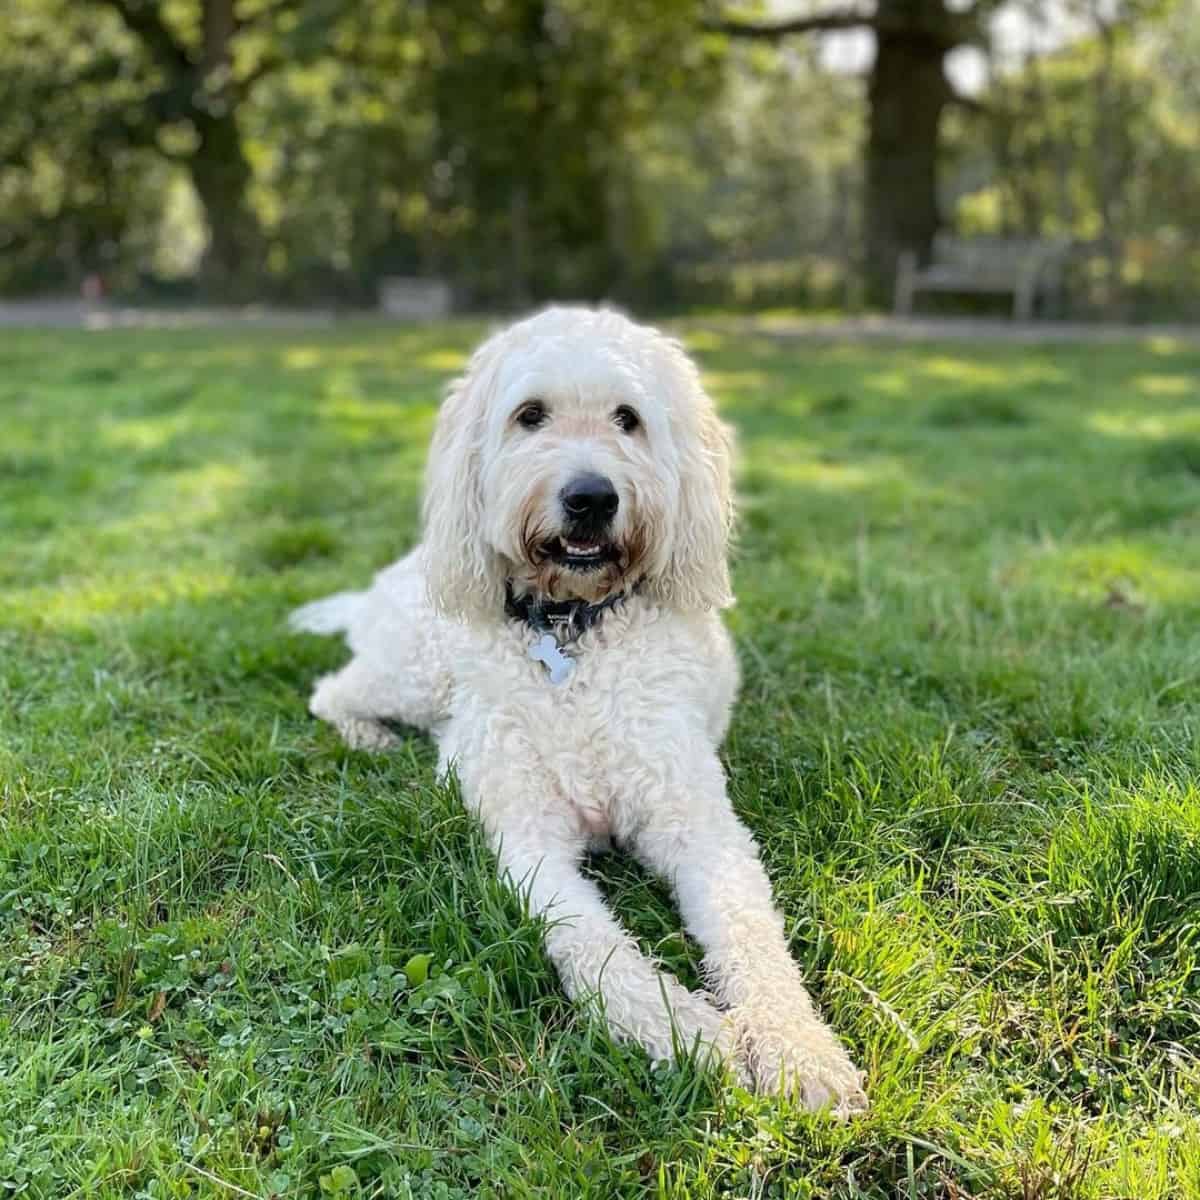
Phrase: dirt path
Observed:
(79, 314)
(945, 329)
(75, 314)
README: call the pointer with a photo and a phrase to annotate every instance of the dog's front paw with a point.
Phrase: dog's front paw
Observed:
(800, 1057)
(366, 735)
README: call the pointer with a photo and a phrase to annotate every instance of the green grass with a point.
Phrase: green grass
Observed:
(239, 959)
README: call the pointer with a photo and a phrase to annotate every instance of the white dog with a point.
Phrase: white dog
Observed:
(558, 632)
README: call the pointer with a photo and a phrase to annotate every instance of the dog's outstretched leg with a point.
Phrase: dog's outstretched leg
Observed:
(599, 962)
(693, 840)
(539, 849)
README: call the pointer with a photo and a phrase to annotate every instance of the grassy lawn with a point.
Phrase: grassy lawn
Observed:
(237, 959)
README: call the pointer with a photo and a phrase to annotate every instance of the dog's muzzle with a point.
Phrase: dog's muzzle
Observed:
(589, 504)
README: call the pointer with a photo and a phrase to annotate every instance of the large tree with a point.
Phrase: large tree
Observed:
(208, 55)
(167, 77)
(908, 92)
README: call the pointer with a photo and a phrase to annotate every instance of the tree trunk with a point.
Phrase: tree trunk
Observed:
(203, 91)
(219, 169)
(221, 176)
(518, 246)
(907, 92)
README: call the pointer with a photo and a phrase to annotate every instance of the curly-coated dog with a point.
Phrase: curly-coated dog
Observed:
(558, 632)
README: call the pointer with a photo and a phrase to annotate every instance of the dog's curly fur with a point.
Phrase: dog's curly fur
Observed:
(627, 746)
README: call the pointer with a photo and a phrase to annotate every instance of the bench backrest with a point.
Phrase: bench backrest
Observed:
(992, 257)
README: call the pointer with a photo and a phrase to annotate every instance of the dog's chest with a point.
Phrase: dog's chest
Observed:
(576, 730)
(639, 689)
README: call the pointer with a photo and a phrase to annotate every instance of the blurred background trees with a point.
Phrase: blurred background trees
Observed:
(663, 152)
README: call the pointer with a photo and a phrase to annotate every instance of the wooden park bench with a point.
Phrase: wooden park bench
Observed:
(1022, 267)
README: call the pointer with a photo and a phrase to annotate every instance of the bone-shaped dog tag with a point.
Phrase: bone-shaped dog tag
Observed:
(545, 650)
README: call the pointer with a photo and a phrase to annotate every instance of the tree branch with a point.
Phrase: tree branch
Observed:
(773, 30)
(143, 20)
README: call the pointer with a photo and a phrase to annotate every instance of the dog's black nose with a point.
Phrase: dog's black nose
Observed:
(590, 498)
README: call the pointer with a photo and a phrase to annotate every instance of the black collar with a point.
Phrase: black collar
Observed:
(566, 619)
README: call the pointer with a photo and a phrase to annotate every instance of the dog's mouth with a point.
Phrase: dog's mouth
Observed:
(580, 554)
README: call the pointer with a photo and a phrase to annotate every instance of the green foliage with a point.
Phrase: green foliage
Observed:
(239, 955)
(1099, 142)
(532, 149)
(536, 114)
(756, 203)
(493, 145)
(76, 190)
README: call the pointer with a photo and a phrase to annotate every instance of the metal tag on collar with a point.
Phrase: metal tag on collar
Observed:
(546, 651)
(565, 618)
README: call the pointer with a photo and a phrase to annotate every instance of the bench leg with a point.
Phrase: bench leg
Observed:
(1023, 300)
(906, 277)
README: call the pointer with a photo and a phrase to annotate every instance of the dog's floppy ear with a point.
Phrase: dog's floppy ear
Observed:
(696, 574)
(463, 573)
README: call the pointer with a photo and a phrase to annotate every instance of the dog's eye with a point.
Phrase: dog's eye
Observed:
(626, 418)
(531, 414)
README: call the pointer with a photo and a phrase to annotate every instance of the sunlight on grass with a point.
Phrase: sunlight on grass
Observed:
(824, 475)
(959, 370)
(356, 409)
(361, 423)
(785, 318)
(302, 358)
(704, 341)
(209, 487)
(719, 382)
(914, 374)
(1119, 573)
(148, 433)
(1138, 423)
(77, 606)
(1133, 423)
(443, 360)
(342, 385)
(977, 374)
(1167, 385)
(890, 383)
(182, 502)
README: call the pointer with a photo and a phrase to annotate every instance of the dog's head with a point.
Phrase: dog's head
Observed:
(577, 455)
